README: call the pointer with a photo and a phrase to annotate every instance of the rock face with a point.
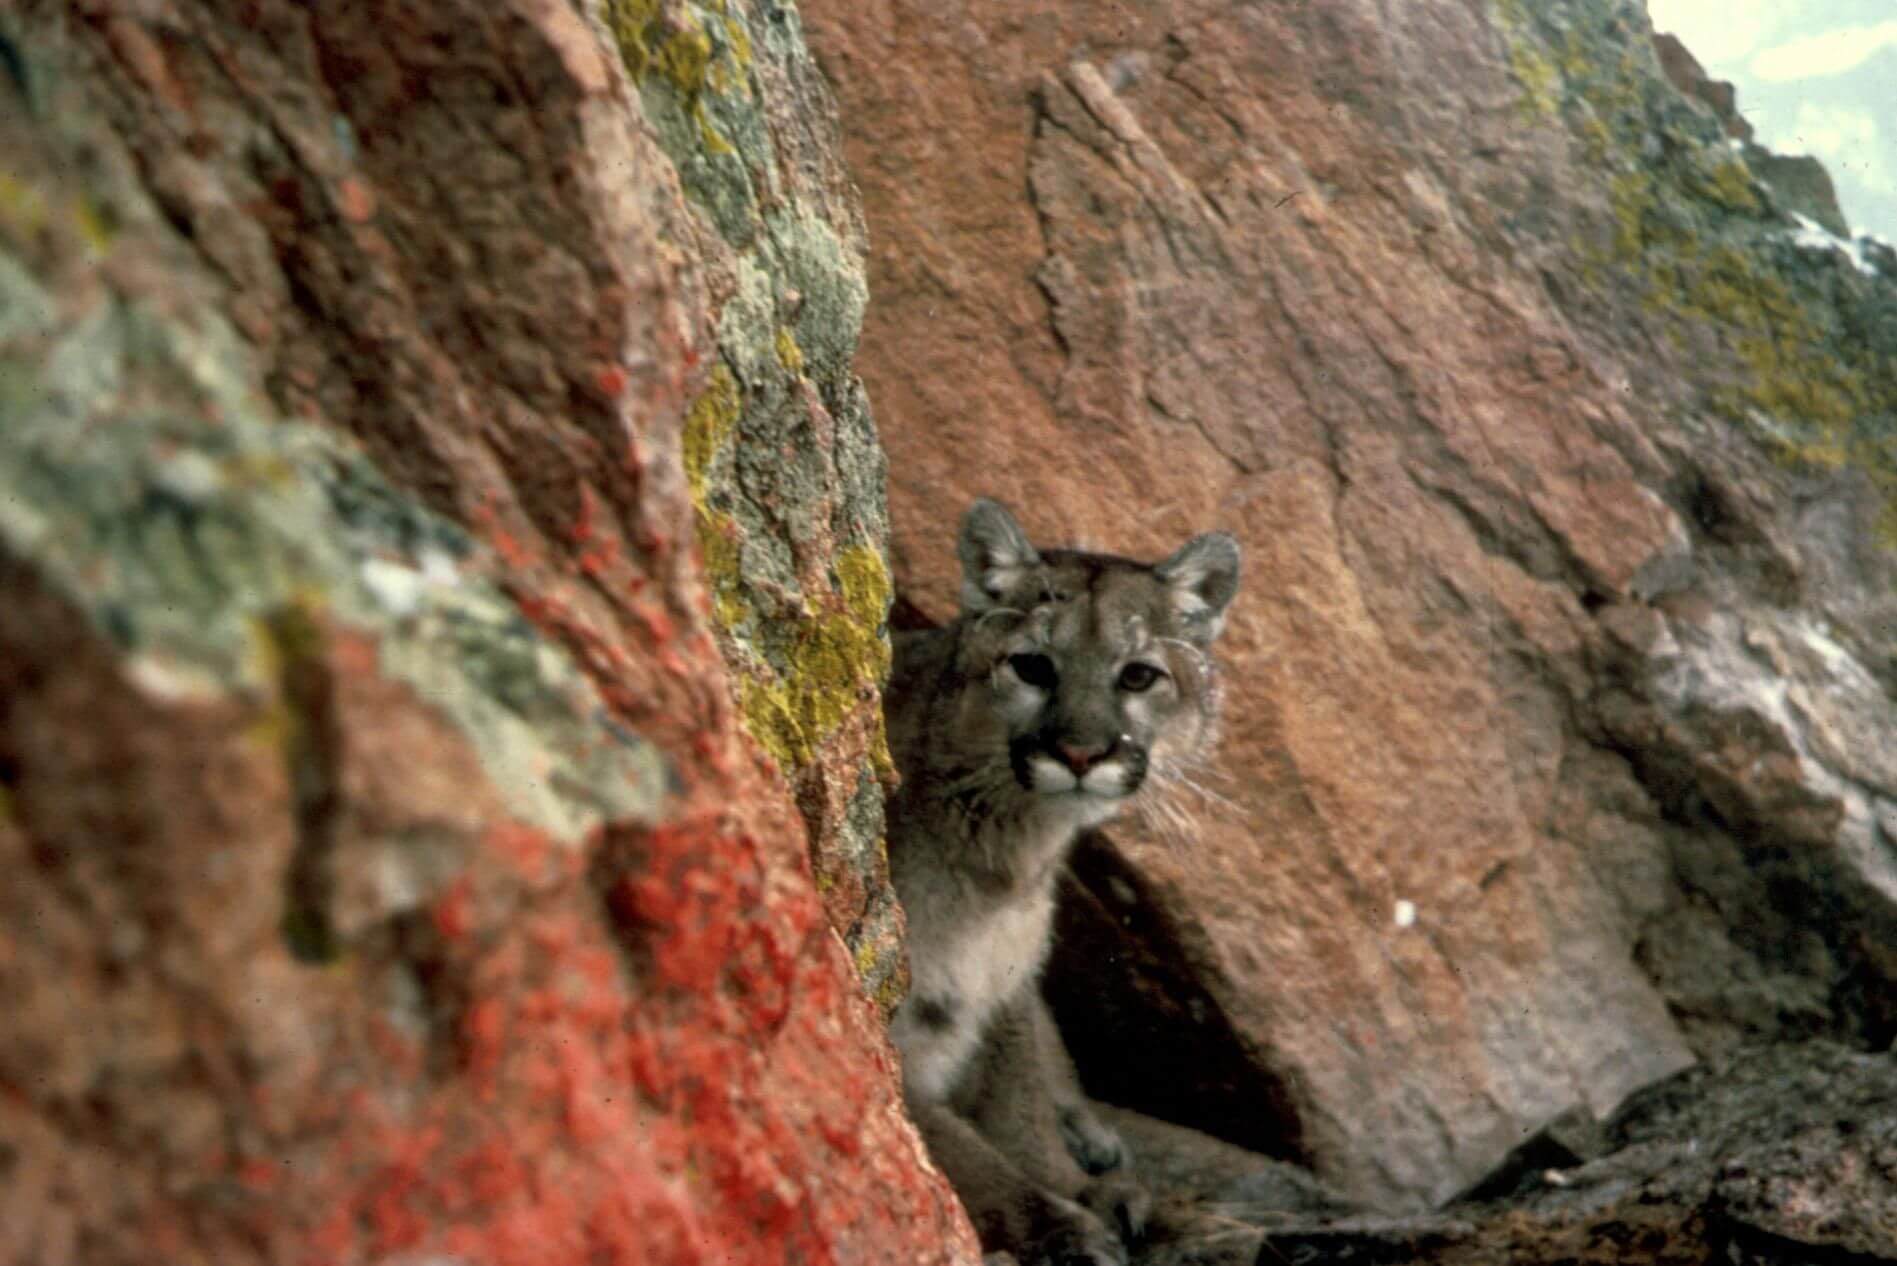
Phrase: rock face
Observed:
(393, 400)
(1560, 747)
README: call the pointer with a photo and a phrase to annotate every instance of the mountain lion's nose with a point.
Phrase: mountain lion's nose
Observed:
(1081, 758)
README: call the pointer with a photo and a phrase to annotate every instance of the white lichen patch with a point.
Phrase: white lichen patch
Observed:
(396, 586)
(402, 588)
(1785, 670)
(1813, 236)
(171, 681)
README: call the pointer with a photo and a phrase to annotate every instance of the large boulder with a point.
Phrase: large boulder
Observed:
(1559, 744)
(393, 400)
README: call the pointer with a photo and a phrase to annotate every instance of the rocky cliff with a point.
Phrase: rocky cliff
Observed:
(445, 562)
(1560, 748)
(428, 448)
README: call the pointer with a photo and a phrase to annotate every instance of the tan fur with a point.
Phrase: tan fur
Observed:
(1071, 686)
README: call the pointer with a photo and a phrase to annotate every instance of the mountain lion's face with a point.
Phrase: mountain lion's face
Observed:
(1085, 672)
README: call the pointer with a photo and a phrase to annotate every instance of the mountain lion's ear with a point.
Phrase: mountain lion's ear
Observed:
(1203, 576)
(995, 555)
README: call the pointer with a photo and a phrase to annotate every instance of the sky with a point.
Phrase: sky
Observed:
(1814, 77)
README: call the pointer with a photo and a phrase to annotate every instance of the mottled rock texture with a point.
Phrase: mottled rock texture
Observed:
(1560, 747)
(1772, 1156)
(402, 406)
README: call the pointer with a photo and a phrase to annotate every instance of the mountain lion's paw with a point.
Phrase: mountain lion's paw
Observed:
(1074, 1237)
(1121, 1202)
(1094, 1145)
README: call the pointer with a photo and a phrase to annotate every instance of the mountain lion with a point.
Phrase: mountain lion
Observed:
(1070, 686)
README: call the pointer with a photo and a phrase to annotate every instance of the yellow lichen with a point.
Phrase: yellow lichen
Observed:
(22, 206)
(651, 41)
(867, 591)
(1730, 185)
(709, 423)
(95, 225)
(789, 355)
(831, 653)
(1540, 79)
(709, 135)
(280, 645)
(1631, 196)
(740, 41)
(718, 542)
(26, 212)
(1596, 140)
(833, 658)
(1780, 344)
(679, 49)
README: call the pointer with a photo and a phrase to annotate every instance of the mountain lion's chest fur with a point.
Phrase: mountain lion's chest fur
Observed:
(969, 955)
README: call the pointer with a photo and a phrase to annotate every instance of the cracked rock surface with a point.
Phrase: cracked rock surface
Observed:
(1560, 723)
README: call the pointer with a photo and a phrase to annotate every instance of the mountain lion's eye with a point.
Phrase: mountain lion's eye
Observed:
(1035, 670)
(1136, 678)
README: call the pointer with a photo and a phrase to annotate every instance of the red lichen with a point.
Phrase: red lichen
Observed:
(632, 1137)
(355, 199)
(583, 526)
(257, 1175)
(611, 380)
(454, 911)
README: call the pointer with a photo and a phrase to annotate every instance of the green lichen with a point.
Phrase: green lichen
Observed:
(1817, 408)
(810, 255)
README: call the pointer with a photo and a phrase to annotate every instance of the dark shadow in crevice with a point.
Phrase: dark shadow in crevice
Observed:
(312, 745)
(1144, 1030)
